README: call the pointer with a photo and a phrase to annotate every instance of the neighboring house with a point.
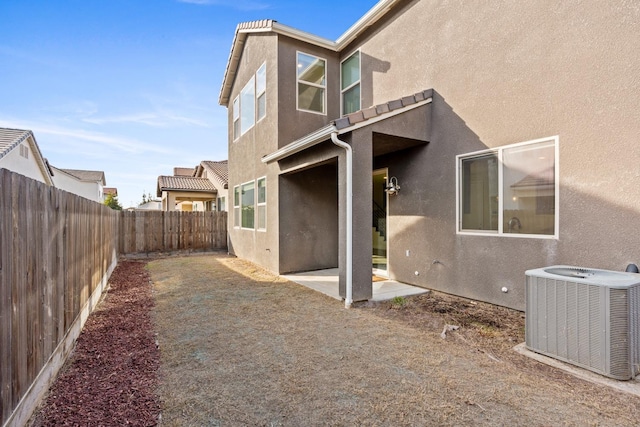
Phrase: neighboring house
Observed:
(510, 128)
(19, 153)
(109, 191)
(217, 173)
(86, 183)
(203, 188)
(151, 205)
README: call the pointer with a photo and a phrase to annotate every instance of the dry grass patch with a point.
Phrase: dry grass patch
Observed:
(241, 346)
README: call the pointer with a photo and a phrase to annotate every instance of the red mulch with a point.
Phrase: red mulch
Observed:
(111, 377)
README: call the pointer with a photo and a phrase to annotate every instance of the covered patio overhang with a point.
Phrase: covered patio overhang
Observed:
(352, 142)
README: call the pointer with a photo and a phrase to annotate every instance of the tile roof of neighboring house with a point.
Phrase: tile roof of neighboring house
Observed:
(220, 170)
(177, 171)
(10, 138)
(184, 183)
(87, 176)
(269, 25)
(110, 190)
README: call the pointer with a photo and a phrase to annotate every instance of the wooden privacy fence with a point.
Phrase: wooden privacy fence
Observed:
(57, 251)
(158, 231)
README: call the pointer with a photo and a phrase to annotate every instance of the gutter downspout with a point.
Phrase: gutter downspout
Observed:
(349, 152)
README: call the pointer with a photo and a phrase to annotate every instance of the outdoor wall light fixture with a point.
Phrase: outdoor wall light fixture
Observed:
(392, 187)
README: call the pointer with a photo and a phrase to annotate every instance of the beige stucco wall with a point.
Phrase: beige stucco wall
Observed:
(88, 190)
(245, 153)
(508, 72)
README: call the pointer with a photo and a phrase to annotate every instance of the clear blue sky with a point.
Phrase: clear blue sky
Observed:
(131, 87)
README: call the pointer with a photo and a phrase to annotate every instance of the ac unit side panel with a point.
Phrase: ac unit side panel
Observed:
(619, 351)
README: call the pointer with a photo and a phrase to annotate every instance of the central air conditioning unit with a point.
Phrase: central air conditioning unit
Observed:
(586, 317)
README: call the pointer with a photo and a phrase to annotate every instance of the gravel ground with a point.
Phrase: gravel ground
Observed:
(239, 346)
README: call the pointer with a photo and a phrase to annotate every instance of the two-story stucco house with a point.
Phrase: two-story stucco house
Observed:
(449, 145)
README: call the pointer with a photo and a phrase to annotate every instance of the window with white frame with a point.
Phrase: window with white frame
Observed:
(261, 92)
(236, 118)
(248, 106)
(311, 78)
(511, 190)
(262, 204)
(350, 83)
(248, 202)
(236, 206)
(222, 206)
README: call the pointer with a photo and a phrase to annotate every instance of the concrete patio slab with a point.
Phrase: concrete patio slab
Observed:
(326, 282)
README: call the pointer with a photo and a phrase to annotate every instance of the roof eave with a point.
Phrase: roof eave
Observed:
(370, 18)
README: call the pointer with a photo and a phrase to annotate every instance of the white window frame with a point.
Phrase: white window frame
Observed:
(236, 118)
(261, 93)
(251, 85)
(324, 88)
(261, 204)
(352, 85)
(254, 204)
(499, 153)
(237, 218)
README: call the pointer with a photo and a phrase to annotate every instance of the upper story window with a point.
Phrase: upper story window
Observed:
(236, 118)
(248, 106)
(350, 83)
(261, 91)
(251, 105)
(312, 83)
(512, 190)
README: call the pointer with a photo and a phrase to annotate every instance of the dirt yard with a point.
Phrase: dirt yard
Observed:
(240, 346)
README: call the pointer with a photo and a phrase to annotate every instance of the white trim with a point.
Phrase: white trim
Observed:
(352, 85)
(324, 88)
(254, 204)
(498, 151)
(301, 144)
(251, 82)
(258, 204)
(238, 206)
(258, 119)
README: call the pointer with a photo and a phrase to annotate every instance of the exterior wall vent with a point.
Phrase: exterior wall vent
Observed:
(586, 317)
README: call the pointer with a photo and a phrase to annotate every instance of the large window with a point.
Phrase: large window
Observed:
(262, 204)
(510, 191)
(248, 201)
(350, 83)
(236, 206)
(248, 106)
(261, 91)
(236, 118)
(311, 83)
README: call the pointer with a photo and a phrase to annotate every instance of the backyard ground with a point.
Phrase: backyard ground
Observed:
(240, 346)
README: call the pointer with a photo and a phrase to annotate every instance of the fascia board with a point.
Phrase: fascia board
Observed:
(301, 144)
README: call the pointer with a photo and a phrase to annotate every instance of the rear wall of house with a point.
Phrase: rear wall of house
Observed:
(508, 72)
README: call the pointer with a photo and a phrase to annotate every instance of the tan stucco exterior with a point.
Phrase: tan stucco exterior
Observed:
(502, 73)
